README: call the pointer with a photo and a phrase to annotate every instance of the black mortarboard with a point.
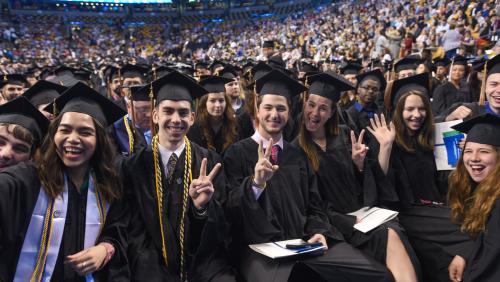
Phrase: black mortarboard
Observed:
(216, 64)
(67, 80)
(350, 68)
(77, 73)
(278, 83)
(441, 62)
(483, 129)
(419, 82)
(375, 75)
(214, 84)
(328, 85)
(493, 65)
(406, 63)
(110, 72)
(140, 92)
(80, 98)
(43, 92)
(260, 70)
(276, 61)
(130, 71)
(177, 87)
(17, 79)
(201, 65)
(21, 112)
(478, 64)
(307, 67)
(162, 70)
(184, 68)
(459, 61)
(229, 72)
(268, 44)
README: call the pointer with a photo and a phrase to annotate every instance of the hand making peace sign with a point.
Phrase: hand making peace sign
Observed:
(264, 170)
(201, 189)
(359, 150)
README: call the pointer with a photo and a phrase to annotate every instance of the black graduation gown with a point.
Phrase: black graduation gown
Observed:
(445, 95)
(360, 118)
(245, 124)
(289, 207)
(205, 254)
(19, 189)
(344, 189)
(482, 264)
(195, 134)
(474, 107)
(121, 140)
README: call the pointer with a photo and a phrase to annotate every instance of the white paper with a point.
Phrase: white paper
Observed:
(371, 218)
(278, 249)
(440, 150)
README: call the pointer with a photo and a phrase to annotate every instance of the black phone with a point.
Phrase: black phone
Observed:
(302, 246)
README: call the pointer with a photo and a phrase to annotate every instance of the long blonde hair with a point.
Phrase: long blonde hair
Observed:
(471, 207)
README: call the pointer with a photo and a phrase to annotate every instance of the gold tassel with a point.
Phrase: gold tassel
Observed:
(482, 93)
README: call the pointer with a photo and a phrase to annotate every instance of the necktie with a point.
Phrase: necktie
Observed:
(275, 150)
(172, 161)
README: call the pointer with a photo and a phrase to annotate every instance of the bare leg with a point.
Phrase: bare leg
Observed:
(398, 261)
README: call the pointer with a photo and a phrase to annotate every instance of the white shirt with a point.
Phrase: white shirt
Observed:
(257, 191)
(166, 153)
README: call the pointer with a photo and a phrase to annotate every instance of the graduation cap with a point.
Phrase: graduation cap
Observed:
(229, 72)
(329, 85)
(350, 68)
(21, 112)
(493, 65)
(17, 79)
(161, 71)
(131, 71)
(308, 67)
(177, 87)
(260, 70)
(110, 72)
(276, 61)
(376, 63)
(216, 64)
(375, 75)
(441, 62)
(184, 68)
(67, 80)
(483, 129)
(214, 84)
(406, 63)
(201, 65)
(139, 92)
(43, 92)
(80, 98)
(276, 82)
(419, 82)
(77, 73)
(478, 64)
(268, 44)
(459, 61)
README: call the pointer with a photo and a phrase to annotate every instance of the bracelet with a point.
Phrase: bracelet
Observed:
(201, 212)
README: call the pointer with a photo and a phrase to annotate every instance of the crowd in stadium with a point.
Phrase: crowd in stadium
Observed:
(305, 147)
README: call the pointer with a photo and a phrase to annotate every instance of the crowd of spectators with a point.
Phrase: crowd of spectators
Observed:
(386, 29)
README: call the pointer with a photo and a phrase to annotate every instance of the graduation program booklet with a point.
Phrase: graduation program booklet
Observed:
(371, 218)
(279, 250)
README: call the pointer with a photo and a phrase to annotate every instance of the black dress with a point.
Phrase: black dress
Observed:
(19, 189)
(288, 208)
(195, 134)
(205, 254)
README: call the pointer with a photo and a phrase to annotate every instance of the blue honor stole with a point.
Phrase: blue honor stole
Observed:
(41, 245)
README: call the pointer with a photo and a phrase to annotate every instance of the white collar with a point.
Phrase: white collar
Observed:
(166, 153)
(257, 137)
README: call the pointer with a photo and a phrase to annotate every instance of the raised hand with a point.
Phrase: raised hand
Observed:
(201, 189)
(264, 170)
(359, 150)
(384, 134)
(459, 113)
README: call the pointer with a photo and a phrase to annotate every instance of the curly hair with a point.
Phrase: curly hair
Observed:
(22, 134)
(425, 135)
(229, 123)
(471, 207)
(50, 166)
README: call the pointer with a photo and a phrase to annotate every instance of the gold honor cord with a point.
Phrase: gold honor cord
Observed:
(130, 135)
(159, 198)
(37, 274)
(44, 245)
